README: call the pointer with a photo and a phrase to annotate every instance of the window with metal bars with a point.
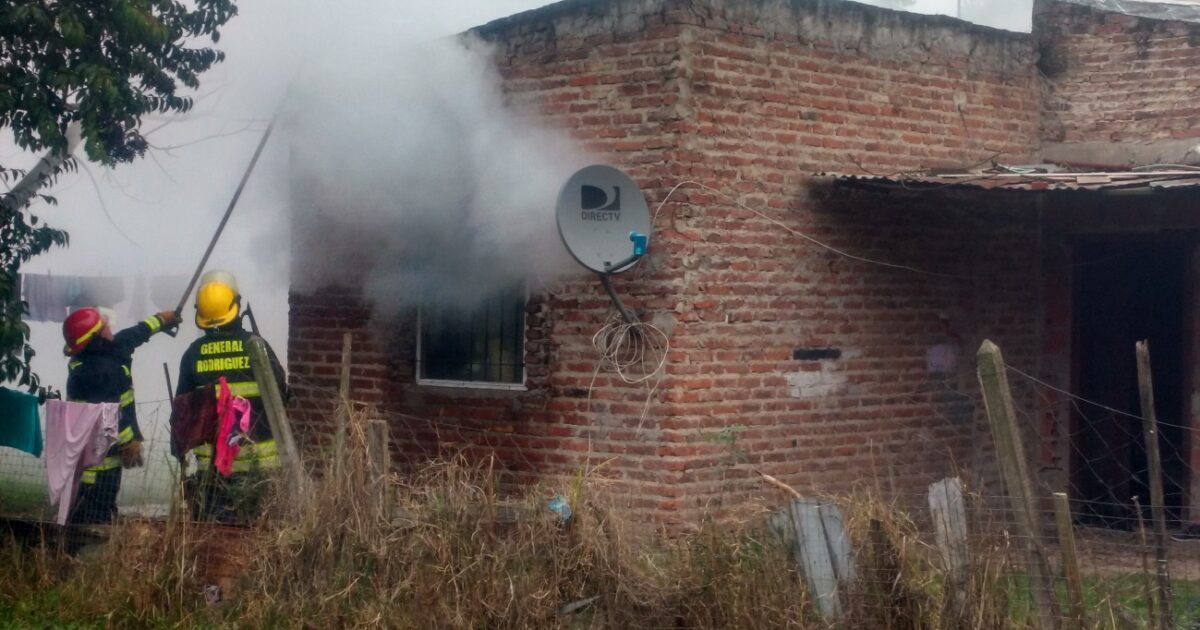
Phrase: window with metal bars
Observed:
(481, 346)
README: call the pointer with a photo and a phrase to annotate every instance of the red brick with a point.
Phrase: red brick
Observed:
(738, 294)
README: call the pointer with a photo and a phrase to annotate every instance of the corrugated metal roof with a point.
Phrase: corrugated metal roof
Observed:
(1141, 181)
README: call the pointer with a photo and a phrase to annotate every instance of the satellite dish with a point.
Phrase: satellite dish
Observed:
(603, 219)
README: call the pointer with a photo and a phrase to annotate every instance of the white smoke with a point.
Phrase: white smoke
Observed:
(412, 177)
(1012, 15)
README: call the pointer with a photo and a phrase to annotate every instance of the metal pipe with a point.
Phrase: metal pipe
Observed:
(228, 212)
(170, 390)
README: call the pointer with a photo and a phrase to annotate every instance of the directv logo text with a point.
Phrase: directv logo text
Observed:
(598, 205)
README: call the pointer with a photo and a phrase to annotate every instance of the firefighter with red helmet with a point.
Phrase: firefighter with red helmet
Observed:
(99, 372)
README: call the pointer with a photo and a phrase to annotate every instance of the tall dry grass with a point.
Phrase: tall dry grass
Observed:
(903, 583)
(144, 575)
(453, 549)
(453, 546)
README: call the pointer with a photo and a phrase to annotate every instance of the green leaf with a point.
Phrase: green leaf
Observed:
(72, 29)
(118, 60)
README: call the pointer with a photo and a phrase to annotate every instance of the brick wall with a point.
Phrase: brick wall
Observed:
(1120, 78)
(609, 73)
(896, 408)
(747, 98)
(812, 86)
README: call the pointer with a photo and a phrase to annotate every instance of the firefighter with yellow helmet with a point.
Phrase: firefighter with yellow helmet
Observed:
(223, 351)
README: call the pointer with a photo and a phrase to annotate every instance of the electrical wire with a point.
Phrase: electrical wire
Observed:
(799, 234)
(104, 207)
(624, 347)
(1091, 402)
(889, 265)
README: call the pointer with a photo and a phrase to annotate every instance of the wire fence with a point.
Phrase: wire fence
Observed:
(1112, 547)
(144, 491)
(961, 549)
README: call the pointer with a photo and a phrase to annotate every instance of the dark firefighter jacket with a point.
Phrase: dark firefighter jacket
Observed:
(100, 373)
(225, 352)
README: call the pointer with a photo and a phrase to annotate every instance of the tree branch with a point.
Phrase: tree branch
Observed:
(36, 178)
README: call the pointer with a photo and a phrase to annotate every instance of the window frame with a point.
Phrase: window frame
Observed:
(520, 386)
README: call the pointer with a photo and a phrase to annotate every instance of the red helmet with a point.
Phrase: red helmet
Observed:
(80, 327)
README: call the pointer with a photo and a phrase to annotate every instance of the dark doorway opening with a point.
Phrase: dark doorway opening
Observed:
(1126, 290)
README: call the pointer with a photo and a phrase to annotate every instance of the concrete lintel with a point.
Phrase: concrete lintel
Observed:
(1123, 154)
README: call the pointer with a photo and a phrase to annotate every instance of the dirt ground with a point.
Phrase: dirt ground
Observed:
(1109, 553)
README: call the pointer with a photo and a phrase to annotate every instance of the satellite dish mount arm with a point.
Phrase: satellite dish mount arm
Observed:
(626, 314)
(639, 250)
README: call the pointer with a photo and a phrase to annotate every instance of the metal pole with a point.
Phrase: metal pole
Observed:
(179, 459)
(170, 390)
(228, 212)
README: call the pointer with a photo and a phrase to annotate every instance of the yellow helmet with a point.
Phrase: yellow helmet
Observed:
(218, 300)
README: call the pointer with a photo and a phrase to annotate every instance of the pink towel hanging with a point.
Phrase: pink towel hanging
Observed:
(234, 421)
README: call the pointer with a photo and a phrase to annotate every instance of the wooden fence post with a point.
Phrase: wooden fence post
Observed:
(1070, 559)
(1144, 552)
(821, 548)
(950, 528)
(343, 412)
(1154, 463)
(1010, 452)
(281, 428)
(379, 447)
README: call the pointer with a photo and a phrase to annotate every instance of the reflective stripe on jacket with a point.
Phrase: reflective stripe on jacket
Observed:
(101, 373)
(89, 474)
(262, 455)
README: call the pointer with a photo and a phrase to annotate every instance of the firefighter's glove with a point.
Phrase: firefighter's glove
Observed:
(131, 455)
(169, 319)
(170, 322)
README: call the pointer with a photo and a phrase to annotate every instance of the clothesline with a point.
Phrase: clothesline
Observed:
(22, 426)
(50, 297)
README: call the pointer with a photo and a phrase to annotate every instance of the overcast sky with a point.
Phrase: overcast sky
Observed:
(155, 216)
